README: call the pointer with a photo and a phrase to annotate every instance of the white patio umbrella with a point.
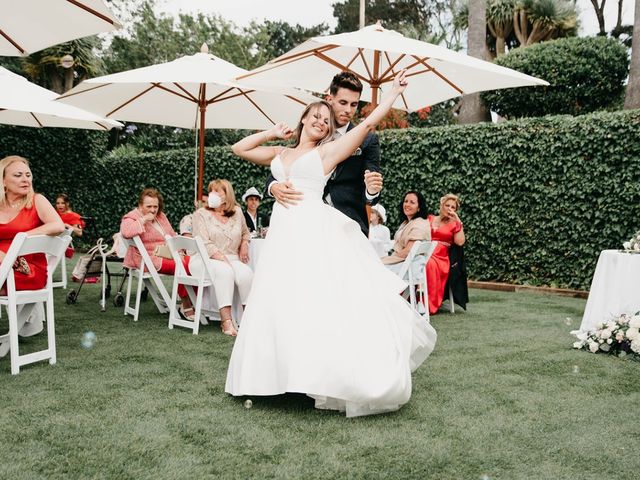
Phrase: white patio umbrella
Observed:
(196, 91)
(27, 104)
(375, 55)
(27, 26)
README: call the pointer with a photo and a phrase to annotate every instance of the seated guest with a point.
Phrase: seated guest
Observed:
(379, 234)
(151, 224)
(70, 218)
(254, 220)
(413, 211)
(23, 210)
(224, 231)
(447, 230)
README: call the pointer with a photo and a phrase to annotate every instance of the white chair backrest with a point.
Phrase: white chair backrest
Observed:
(422, 247)
(52, 247)
(119, 245)
(176, 244)
(190, 244)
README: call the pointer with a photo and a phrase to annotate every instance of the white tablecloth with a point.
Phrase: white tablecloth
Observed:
(255, 245)
(615, 288)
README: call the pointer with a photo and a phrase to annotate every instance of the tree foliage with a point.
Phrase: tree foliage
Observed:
(585, 75)
(515, 23)
(428, 20)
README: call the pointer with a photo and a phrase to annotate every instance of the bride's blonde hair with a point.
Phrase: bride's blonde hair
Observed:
(315, 106)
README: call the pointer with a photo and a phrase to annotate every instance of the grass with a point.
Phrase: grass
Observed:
(503, 397)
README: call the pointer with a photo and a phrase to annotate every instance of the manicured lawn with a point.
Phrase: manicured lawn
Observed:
(503, 397)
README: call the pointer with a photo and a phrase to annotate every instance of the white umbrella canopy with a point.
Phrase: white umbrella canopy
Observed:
(27, 104)
(375, 55)
(27, 26)
(190, 92)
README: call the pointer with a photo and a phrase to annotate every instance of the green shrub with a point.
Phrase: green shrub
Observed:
(541, 197)
(585, 75)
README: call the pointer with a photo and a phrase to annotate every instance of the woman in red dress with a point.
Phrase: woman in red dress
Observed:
(22, 210)
(70, 218)
(446, 229)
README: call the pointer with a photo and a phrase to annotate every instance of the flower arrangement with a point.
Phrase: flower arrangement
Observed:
(618, 336)
(633, 245)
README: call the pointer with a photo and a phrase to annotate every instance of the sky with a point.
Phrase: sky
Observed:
(309, 13)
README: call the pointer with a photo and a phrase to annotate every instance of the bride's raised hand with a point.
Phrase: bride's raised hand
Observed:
(281, 130)
(400, 82)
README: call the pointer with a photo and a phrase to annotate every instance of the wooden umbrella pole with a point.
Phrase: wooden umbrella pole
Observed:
(375, 81)
(203, 110)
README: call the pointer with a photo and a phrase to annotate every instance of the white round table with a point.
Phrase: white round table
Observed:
(615, 288)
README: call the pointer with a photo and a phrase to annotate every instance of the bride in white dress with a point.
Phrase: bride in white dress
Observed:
(324, 316)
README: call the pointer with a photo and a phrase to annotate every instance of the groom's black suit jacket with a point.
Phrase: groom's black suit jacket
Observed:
(346, 185)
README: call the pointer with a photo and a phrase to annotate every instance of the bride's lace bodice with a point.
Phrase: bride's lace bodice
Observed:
(306, 173)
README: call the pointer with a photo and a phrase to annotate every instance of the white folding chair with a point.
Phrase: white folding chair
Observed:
(145, 275)
(53, 248)
(195, 246)
(63, 263)
(424, 249)
(204, 300)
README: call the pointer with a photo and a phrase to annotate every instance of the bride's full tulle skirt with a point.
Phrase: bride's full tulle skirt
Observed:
(325, 318)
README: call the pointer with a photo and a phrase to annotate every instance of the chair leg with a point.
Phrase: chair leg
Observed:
(51, 331)
(12, 313)
(63, 266)
(173, 308)
(139, 288)
(452, 305)
(198, 310)
(127, 303)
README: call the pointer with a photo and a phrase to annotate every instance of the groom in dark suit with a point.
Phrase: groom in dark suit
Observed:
(356, 181)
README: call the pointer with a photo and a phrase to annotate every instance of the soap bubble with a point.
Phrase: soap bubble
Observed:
(576, 369)
(88, 340)
(567, 321)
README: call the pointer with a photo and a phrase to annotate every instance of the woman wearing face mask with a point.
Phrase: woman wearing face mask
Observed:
(447, 230)
(222, 227)
(151, 224)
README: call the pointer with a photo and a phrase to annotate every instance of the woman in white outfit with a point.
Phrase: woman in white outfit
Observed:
(324, 316)
(222, 227)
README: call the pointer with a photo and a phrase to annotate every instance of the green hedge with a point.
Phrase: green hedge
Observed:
(541, 197)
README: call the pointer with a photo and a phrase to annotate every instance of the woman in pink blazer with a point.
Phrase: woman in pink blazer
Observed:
(151, 224)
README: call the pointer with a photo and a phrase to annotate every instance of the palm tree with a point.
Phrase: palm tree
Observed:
(472, 109)
(632, 96)
(538, 20)
(45, 67)
(500, 22)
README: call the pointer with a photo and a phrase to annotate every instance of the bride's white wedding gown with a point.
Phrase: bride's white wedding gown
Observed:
(324, 316)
